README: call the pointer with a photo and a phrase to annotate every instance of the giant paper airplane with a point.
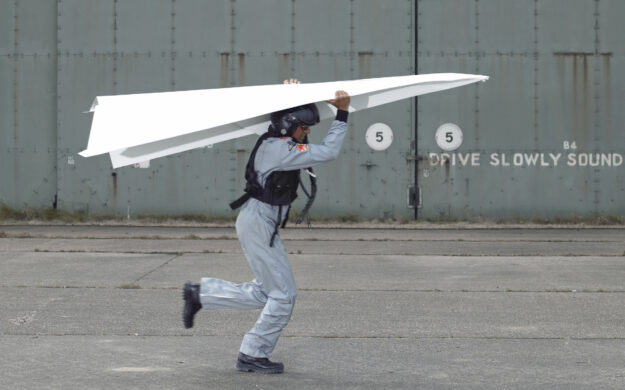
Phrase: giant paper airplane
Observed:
(141, 127)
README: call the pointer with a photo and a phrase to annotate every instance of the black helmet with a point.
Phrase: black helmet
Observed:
(284, 122)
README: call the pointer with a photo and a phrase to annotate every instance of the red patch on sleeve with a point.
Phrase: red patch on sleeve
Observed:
(302, 147)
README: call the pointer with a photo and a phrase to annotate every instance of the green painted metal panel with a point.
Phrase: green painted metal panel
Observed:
(86, 26)
(263, 25)
(446, 26)
(36, 32)
(202, 27)
(7, 101)
(504, 26)
(143, 73)
(544, 129)
(28, 124)
(36, 131)
(321, 27)
(83, 184)
(610, 20)
(566, 25)
(144, 26)
(198, 70)
(513, 126)
(7, 27)
(542, 138)
(8, 159)
(383, 26)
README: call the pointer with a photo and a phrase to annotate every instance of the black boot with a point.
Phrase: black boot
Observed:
(191, 296)
(262, 365)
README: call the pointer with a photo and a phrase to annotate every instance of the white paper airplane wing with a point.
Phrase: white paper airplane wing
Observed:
(142, 127)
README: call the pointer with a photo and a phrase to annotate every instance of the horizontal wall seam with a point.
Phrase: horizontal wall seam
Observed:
(512, 54)
(219, 53)
(319, 54)
(20, 55)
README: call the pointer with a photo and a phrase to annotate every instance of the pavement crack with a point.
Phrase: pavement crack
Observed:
(338, 337)
(229, 237)
(332, 253)
(134, 285)
(134, 282)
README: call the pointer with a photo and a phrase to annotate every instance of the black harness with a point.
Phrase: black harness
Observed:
(280, 189)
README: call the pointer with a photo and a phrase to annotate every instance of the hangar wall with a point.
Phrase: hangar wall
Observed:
(553, 92)
(57, 58)
(543, 138)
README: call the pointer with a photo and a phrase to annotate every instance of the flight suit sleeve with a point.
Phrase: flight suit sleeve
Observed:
(297, 156)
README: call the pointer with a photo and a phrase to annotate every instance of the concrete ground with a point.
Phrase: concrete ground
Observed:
(99, 307)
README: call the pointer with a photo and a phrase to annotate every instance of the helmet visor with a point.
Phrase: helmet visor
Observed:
(307, 115)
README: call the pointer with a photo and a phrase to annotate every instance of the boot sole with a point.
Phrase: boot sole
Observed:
(251, 368)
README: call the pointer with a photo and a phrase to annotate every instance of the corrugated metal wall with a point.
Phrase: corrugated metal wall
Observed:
(553, 83)
(84, 48)
(28, 113)
(546, 130)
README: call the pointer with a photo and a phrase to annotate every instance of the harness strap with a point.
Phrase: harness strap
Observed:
(252, 186)
(288, 211)
(240, 202)
(254, 189)
(275, 231)
(311, 198)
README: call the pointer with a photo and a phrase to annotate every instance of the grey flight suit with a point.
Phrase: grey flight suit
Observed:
(273, 288)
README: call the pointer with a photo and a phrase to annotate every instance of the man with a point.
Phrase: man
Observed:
(272, 179)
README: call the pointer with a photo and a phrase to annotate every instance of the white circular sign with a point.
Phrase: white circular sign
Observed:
(448, 137)
(379, 136)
